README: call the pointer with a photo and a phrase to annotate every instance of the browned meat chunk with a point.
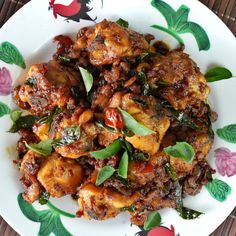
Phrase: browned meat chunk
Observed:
(30, 165)
(102, 203)
(182, 79)
(109, 41)
(46, 86)
(60, 176)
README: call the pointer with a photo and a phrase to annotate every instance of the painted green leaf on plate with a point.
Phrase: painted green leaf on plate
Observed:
(228, 133)
(4, 109)
(50, 221)
(177, 23)
(199, 34)
(11, 55)
(218, 189)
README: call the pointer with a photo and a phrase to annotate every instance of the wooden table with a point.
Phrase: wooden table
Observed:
(225, 9)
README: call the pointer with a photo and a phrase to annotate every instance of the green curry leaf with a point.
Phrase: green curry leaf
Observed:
(123, 23)
(109, 151)
(187, 213)
(15, 115)
(123, 165)
(105, 173)
(44, 197)
(218, 73)
(43, 148)
(87, 78)
(181, 150)
(22, 122)
(153, 220)
(133, 125)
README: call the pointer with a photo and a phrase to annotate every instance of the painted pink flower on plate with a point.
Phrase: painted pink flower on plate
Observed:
(225, 161)
(5, 81)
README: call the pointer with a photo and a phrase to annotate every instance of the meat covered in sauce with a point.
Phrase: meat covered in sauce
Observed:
(141, 100)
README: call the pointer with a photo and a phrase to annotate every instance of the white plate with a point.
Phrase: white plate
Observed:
(32, 29)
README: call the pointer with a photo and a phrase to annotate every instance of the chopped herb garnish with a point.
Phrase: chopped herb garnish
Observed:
(133, 125)
(123, 23)
(15, 115)
(210, 130)
(127, 146)
(44, 197)
(123, 166)
(187, 213)
(144, 56)
(179, 116)
(31, 81)
(69, 135)
(153, 220)
(22, 122)
(43, 148)
(142, 79)
(181, 150)
(65, 59)
(105, 173)
(87, 78)
(109, 151)
(131, 208)
(76, 94)
(218, 73)
(171, 171)
(139, 101)
(140, 156)
(48, 119)
(184, 212)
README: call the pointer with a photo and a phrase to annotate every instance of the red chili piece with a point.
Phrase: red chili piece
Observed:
(148, 168)
(113, 118)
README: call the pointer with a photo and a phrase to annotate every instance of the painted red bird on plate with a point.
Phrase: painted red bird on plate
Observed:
(75, 11)
(158, 231)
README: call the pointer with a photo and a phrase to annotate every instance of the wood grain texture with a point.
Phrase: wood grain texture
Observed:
(225, 9)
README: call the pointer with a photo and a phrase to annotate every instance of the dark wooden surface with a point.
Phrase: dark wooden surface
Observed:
(225, 9)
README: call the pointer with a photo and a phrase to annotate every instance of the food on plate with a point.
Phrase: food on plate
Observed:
(116, 119)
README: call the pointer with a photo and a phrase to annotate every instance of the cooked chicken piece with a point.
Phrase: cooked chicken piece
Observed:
(42, 131)
(30, 165)
(153, 117)
(78, 148)
(101, 203)
(182, 79)
(109, 41)
(86, 132)
(60, 176)
(202, 143)
(47, 86)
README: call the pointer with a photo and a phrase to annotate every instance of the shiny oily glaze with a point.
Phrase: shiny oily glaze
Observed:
(174, 86)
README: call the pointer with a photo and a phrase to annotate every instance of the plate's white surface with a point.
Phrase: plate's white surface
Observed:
(32, 29)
